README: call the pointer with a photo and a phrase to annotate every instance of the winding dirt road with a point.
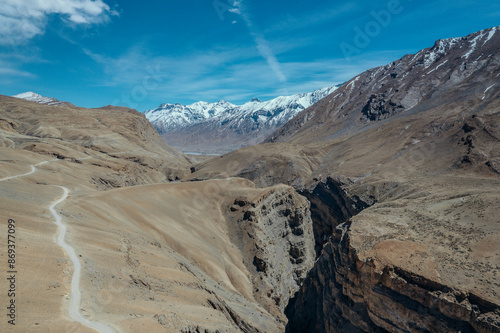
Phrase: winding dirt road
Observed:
(75, 293)
(74, 307)
(33, 169)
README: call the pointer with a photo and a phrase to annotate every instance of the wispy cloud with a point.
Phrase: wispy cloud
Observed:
(236, 75)
(11, 67)
(262, 44)
(22, 20)
(132, 66)
(6, 69)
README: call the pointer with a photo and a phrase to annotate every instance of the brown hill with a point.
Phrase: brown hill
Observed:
(155, 255)
(123, 138)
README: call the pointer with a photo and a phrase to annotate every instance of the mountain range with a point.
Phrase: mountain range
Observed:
(452, 71)
(221, 127)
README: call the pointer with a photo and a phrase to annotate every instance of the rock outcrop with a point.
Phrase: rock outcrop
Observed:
(275, 235)
(379, 107)
(330, 207)
(345, 294)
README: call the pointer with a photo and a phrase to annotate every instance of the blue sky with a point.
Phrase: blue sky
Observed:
(141, 54)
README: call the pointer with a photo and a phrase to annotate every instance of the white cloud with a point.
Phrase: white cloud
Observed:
(21, 20)
(266, 51)
(7, 70)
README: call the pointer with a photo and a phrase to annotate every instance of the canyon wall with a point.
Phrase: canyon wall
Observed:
(345, 294)
(275, 234)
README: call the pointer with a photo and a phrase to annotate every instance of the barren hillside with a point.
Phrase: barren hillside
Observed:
(153, 254)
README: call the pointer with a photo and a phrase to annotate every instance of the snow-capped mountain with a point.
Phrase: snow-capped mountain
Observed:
(31, 96)
(455, 73)
(168, 117)
(219, 127)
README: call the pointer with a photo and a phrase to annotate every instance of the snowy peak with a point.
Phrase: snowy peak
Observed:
(222, 126)
(172, 116)
(29, 95)
(168, 117)
(34, 97)
(466, 46)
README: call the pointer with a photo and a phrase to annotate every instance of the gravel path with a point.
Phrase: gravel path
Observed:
(74, 307)
(33, 169)
(75, 296)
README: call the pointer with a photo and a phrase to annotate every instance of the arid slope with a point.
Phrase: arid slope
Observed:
(156, 254)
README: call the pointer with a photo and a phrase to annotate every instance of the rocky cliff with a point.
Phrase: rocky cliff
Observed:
(344, 293)
(275, 235)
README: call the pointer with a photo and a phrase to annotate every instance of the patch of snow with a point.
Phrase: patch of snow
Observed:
(442, 46)
(376, 73)
(473, 43)
(441, 64)
(33, 97)
(490, 34)
(415, 56)
(484, 94)
(27, 95)
(382, 78)
(352, 84)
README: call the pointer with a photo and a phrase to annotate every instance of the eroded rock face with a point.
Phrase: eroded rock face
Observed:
(330, 206)
(379, 107)
(275, 235)
(345, 294)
